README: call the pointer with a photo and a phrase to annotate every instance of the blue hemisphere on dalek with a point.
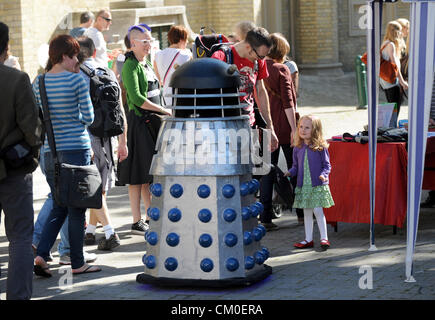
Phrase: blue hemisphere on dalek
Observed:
(246, 213)
(149, 261)
(204, 215)
(244, 189)
(249, 262)
(172, 239)
(230, 239)
(229, 215)
(174, 214)
(228, 191)
(206, 265)
(156, 189)
(232, 264)
(203, 191)
(171, 263)
(154, 213)
(205, 240)
(152, 238)
(176, 190)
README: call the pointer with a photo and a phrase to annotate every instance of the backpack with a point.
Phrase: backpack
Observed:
(105, 95)
(205, 45)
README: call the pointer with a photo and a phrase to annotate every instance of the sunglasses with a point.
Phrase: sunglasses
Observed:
(107, 19)
(259, 57)
(145, 41)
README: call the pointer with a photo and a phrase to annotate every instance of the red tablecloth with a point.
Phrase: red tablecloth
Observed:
(429, 165)
(349, 183)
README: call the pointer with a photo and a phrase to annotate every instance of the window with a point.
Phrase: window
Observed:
(161, 34)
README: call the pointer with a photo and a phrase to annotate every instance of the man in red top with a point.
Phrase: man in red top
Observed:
(248, 55)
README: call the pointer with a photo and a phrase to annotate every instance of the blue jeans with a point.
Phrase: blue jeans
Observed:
(58, 214)
(63, 247)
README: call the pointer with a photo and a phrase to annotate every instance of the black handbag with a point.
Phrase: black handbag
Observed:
(75, 186)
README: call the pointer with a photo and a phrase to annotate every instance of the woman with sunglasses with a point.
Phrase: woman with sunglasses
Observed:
(143, 99)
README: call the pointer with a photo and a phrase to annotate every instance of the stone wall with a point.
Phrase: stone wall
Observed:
(221, 15)
(316, 36)
(10, 14)
(33, 23)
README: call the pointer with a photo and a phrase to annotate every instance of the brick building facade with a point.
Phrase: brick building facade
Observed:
(323, 34)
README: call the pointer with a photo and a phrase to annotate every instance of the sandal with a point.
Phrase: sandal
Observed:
(41, 271)
(88, 269)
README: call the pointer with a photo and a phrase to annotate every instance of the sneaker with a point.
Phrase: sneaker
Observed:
(109, 244)
(89, 257)
(139, 227)
(90, 239)
(270, 226)
(66, 259)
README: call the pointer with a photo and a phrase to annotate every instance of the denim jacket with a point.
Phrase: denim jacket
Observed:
(318, 162)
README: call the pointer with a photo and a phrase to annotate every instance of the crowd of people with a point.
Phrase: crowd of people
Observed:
(268, 76)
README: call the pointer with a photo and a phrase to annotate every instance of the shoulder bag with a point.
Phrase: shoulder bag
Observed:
(388, 70)
(75, 186)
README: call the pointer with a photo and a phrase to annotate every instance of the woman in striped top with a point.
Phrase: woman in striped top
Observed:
(71, 112)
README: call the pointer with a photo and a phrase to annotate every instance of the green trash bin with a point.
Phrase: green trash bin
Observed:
(361, 82)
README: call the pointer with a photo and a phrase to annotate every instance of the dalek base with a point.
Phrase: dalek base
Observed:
(259, 275)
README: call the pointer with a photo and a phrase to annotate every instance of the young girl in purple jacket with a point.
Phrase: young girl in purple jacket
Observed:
(312, 167)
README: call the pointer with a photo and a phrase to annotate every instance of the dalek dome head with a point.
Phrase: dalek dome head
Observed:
(206, 88)
(205, 73)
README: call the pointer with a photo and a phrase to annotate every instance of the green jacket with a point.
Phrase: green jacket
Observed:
(19, 117)
(135, 82)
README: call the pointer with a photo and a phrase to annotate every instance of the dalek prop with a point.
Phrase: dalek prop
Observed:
(204, 228)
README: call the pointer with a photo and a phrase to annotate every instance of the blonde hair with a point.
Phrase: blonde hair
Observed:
(392, 33)
(405, 24)
(280, 47)
(318, 143)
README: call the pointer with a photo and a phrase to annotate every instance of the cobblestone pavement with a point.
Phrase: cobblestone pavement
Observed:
(337, 273)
